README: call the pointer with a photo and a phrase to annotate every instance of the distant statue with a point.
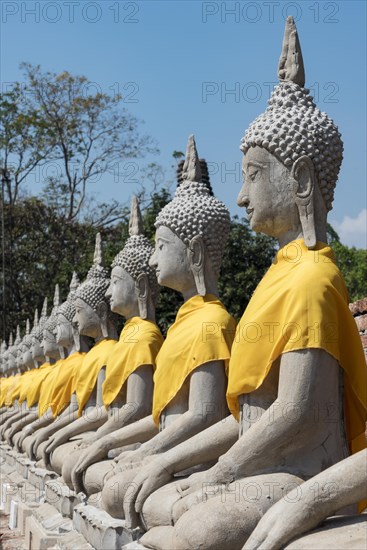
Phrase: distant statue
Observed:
(93, 318)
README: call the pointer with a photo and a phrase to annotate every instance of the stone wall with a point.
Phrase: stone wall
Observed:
(359, 311)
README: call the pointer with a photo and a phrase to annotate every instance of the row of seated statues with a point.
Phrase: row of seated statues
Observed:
(214, 437)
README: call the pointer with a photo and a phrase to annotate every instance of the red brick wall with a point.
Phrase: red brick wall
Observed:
(359, 311)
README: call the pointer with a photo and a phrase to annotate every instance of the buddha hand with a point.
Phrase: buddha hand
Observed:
(150, 478)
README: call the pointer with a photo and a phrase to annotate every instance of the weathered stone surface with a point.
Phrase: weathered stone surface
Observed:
(99, 528)
(347, 533)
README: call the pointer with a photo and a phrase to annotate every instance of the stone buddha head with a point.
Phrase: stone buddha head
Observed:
(292, 156)
(92, 310)
(3, 359)
(65, 330)
(37, 335)
(12, 355)
(48, 343)
(27, 359)
(133, 290)
(192, 232)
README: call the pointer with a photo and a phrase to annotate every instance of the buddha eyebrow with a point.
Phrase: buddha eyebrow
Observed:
(163, 239)
(256, 164)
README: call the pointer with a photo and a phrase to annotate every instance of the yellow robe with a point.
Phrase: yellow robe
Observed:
(4, 385)
(64, 385)
(87, 376)
(300, 303)
(202, 332)
(34, 390)
(45, 399)
(26, 382)
(140, 341)
(13, 389)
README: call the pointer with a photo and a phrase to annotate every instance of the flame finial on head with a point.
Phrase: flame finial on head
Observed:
(44, 309)
(11, 342)
(17, 337)
(27, 327)
(57, 296)
(291, 68)
(136, 221)
(191, 170)
(74, 283)
(98, 254)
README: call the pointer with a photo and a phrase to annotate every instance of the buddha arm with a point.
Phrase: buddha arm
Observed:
(91, 420)
(301, 386)
(138, 404)
(203, 447)
(341, 485)
(27, 418)
(207, 390)
(40, 422)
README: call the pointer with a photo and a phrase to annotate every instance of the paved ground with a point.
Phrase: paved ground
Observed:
(9, 540)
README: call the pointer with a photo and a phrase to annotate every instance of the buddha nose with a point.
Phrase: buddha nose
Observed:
(243, 199)
(152, 260)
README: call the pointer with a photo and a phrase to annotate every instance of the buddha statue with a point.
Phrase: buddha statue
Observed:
(26, 364)
(72, 350)
(43, 367)
(93, 318)
(190, 379)
(128, 388)
(4, 377)
(297, 376)
(44, 378)
(13, 389)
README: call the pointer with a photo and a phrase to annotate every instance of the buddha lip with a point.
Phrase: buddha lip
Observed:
(249, 211)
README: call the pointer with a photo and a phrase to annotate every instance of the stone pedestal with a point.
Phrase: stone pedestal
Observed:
(61, 497)
(100, 529)
(45, 527)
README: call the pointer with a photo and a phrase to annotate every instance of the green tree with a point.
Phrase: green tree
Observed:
(46, 249)
(247, 257)
(352, 263)
(62, 117)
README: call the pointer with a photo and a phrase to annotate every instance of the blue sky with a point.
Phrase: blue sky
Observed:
(204, 68)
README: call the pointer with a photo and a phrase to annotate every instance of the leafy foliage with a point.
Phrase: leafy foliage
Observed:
(352, 263)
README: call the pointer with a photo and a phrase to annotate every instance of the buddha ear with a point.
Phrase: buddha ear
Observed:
(142, 293)
(102, 312)
(303, 172)
(196, 254)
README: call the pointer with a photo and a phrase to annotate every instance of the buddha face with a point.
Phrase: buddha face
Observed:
(86, 319)
(49, 345)
(12, 362)
(268, 193)
(121, 292)
(171, 261)
(36, 350)
(27, 358)
(63, 331)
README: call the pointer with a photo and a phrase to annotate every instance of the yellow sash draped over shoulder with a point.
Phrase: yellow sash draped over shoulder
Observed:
(139, 343)
(13, 389)
(34, 389)
(4, 385)
(300, 303)
(202, 332)
(64, 385)
(87, 376)
(45, 399)
(25, 384)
